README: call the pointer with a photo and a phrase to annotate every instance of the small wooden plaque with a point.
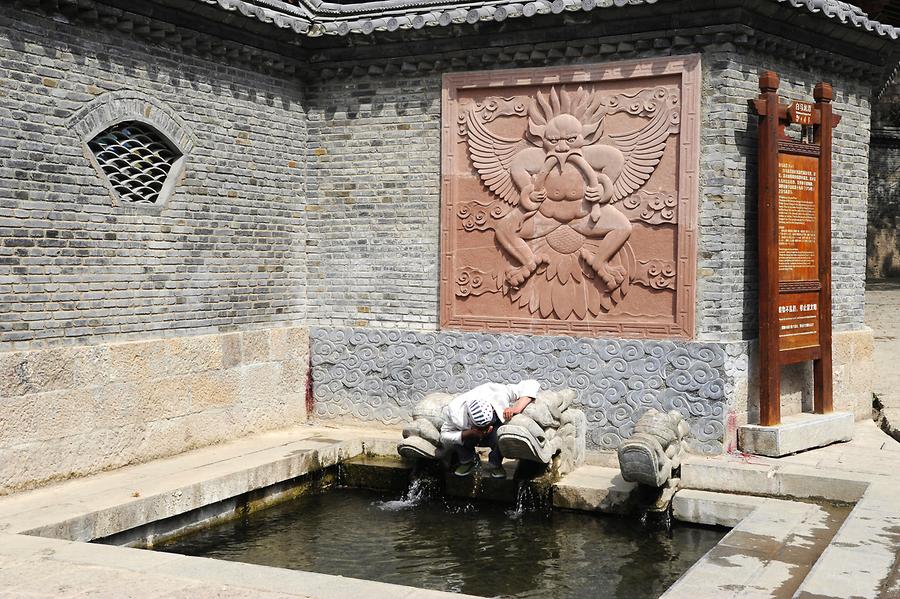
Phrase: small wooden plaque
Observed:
(798, 320)
(803, 113)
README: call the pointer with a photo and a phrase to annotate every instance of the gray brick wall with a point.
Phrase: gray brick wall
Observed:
(373, 201)
(226, 252)
(374, 195)
(317, 201)
(884, 186)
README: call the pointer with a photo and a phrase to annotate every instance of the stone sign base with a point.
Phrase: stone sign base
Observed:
(796, 433)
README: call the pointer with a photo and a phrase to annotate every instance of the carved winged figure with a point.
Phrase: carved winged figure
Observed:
(562, 180)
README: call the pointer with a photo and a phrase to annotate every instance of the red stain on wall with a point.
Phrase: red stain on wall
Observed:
(731, 433)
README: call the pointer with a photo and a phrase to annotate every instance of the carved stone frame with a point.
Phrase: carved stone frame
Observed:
(688, 67)
(128, 105)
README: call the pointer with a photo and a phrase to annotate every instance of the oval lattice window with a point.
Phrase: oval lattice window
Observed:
(136, 159)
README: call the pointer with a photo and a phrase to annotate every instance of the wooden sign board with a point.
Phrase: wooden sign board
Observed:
(794, 242)
(798, 250)
(798, 217)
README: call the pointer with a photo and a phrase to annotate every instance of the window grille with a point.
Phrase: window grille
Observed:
(136, 159)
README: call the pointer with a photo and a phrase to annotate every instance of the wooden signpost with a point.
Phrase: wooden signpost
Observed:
(794, 243)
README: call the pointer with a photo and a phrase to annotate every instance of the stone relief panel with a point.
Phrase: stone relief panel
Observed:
(379, 375)
(569, 199)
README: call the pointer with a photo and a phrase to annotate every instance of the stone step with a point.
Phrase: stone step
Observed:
(713, 509)
(380, 473)
(595, 488)
(768, 553)
(763, 476)
(862, 559)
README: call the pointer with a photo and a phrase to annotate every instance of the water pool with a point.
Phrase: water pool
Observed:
(479, 548)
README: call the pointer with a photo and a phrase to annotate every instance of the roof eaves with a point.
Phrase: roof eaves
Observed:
(847, 14)
(447, 15)
(444, 15)
(299, 23)
(315, 18)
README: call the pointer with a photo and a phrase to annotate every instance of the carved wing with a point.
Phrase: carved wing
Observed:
(492, 154)
(643, 149)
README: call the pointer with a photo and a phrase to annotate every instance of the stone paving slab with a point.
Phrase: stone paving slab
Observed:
(735, 474)
(594, 488)
(863, 559)
(769, 551)
(883, 315)
(107, 503)
(713, 509)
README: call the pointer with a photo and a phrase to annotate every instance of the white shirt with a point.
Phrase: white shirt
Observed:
(456, 414)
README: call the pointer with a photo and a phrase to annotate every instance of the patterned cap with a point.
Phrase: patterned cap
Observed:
(481, 412)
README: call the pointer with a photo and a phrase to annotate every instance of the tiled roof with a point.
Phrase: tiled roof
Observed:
(316, 18)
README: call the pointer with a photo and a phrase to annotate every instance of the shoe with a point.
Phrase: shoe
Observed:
(464, 469)
(496, 471)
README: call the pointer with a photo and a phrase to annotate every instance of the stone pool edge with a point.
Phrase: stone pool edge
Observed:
(33, 557)
(105, 504)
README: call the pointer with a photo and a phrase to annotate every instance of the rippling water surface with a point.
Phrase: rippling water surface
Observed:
(459, 546)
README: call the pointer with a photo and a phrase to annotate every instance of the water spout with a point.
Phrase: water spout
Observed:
(531, 498)
(421, 488)
(653, 519)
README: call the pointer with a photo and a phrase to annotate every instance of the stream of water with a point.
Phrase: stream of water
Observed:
(428, 541)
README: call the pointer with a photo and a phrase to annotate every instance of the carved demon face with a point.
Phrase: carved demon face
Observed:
(563, 136)
(565, 122)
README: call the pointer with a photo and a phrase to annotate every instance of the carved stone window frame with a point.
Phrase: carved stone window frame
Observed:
(689, 69)
(116, 107)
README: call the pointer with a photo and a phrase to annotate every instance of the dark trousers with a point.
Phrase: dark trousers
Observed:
(466, 451)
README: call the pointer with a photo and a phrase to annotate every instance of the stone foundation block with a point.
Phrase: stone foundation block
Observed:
(796, 433)
(73, 411)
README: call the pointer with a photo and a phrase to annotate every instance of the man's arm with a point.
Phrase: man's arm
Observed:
(517, 407)
(450, 434)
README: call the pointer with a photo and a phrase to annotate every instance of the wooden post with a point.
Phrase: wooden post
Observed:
(769, 366)
(822, 375)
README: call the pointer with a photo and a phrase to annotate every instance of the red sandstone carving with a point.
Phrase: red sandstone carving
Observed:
(563, 197)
